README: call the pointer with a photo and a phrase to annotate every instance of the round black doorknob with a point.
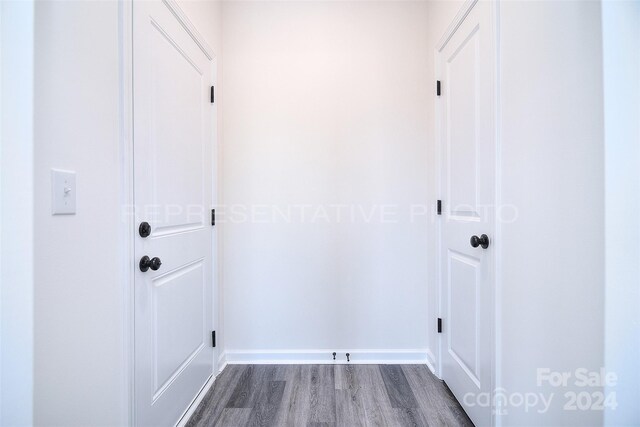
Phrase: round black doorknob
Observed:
(147, 263)
(480, 241)
(155, 263)
(144, 229)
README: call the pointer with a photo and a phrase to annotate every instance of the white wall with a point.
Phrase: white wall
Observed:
(325, 104)
(80, 360)
(79, 330)
(621, 46)
(553, 173)
(16, 213)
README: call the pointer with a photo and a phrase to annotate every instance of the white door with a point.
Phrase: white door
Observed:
(173, 142)
(467, 155)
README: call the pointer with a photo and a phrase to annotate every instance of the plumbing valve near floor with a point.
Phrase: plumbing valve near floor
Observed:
(348, 355)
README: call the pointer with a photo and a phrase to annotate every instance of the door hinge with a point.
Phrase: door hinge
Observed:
(213, 217)
(212, 94)
(439, 325)
(438, 87)
(439, 207)
(213, 338)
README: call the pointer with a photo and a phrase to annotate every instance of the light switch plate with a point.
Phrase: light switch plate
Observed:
(63, 196)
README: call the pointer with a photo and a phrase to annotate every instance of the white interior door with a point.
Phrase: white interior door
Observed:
(173, 142)
(468, 153)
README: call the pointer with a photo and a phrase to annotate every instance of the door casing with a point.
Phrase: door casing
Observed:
(127, 231)
(496, 238)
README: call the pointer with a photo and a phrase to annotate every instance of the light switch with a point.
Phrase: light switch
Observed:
(63, 189)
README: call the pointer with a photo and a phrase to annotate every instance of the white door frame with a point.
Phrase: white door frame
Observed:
(496, 355)
(127, 223)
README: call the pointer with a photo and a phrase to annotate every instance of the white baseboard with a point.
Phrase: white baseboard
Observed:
(431, 362)
(222, 362)
(291, 357)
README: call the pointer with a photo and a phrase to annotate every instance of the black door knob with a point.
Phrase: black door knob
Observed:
(147, 263)
(480, 241)
(144, 229)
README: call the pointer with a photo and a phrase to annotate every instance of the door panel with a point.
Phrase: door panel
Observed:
(461, 71)
(468, 152)
(178, 295)
(177, 143)
(173, 173)
(463, 310)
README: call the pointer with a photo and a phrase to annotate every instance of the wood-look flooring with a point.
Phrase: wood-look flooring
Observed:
(328, 395)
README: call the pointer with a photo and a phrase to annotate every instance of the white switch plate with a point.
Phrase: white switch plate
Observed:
(63, 196)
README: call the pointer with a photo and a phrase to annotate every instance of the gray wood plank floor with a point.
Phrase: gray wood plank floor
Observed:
(328, 395)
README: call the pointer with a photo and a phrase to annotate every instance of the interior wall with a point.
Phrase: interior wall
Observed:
(325, 146)
(80, 364)
(621, 47)
(552, 290)
(16, 213)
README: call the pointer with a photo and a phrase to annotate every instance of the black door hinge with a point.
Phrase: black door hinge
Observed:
(439, 325)
(213, 217)
(439, 207)
(212, 94)
(213, 338)
(438, 87)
